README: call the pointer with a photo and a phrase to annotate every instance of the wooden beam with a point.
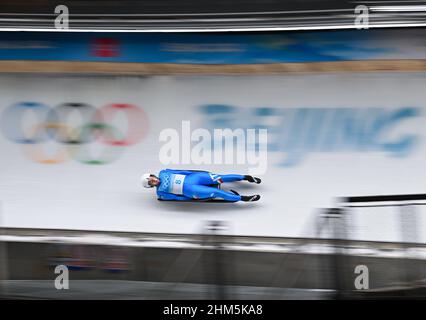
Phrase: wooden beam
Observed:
(122, 68)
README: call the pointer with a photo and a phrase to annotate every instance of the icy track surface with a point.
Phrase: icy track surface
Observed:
(72, 195)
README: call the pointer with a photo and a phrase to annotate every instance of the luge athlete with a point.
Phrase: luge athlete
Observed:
(193, 185)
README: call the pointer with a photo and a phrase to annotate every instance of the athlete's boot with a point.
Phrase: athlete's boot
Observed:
(252, 179)
(256, 197)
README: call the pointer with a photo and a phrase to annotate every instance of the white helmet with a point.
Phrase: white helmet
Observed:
(145, 180)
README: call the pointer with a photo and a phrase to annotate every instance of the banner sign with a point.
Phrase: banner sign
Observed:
(215, 48)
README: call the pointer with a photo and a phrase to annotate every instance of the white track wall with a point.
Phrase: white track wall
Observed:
(329, 136)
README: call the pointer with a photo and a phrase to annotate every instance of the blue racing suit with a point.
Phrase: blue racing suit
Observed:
(187, 185)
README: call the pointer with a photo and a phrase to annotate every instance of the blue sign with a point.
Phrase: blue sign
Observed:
(214, 48)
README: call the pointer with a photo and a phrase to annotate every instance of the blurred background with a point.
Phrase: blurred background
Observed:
(83, 106)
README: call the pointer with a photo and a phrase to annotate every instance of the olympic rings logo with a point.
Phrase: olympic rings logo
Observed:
(54, 124)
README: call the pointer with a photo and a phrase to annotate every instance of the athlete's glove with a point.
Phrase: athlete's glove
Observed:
(252, 179)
